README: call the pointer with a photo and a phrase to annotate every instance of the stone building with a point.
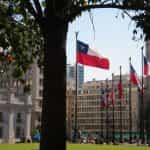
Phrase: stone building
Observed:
(37, 96)
(71, 74)
(15, 110)
(92, 118)
(70, 102)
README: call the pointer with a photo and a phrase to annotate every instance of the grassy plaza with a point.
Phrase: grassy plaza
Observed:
(73, 147)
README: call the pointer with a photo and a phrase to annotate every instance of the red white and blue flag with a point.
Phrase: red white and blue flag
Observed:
(134, 79)
(146, 67)
(90, 57)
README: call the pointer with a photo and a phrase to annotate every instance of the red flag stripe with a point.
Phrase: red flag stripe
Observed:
(92, 61)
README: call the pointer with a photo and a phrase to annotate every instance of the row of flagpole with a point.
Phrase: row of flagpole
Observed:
(133, 80)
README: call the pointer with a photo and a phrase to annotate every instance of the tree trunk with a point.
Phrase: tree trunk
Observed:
(54, 93)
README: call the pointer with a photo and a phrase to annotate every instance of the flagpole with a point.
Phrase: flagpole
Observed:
(130, 109)
(120, 109)
(102, 123)
(101, 116)
(107, 126)
(113, 130)
(142, 103)
(76, 93)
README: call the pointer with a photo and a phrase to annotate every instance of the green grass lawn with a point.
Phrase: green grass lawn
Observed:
(103, 147)
(72, 147)
(19, 146)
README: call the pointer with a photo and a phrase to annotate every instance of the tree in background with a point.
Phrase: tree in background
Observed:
(35, 28)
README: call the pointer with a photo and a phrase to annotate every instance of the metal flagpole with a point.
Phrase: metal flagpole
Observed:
(76, 93)
(102, 114)
(113, 125)
(130, 108)
(107, 123)
(102, 123)
(120, 107)
(142, 104)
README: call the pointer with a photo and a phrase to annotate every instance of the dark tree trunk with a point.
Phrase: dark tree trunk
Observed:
(54, 96)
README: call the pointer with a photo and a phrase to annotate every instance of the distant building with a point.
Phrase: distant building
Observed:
(71, 74)
(91, 117)
(70, 102)
(15, 110)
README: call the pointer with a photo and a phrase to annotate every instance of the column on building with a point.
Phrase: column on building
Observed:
(28, 126)
(11, 136)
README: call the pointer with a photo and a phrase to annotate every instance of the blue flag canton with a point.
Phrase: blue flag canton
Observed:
(132, 69)
(82, 47)
(145, 61)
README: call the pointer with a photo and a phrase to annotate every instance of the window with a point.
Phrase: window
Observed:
(40, 103)
(18, 118)
(1, 116)
(18, 132)
(41, 93)
(41, 82)
(1, 132)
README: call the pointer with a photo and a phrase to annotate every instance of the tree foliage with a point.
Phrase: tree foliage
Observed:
(20, 35)
(22, 22)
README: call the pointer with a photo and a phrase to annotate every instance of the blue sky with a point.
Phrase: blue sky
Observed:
(113, 39)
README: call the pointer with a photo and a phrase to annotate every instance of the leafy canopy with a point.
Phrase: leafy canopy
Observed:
(20, 35)
(22, 23)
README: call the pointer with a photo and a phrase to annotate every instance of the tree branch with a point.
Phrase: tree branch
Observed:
(38, 8)
(131, 17)
(77, 10)
(30, 8)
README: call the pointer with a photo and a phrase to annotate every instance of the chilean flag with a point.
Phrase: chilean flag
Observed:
(146, 66)
(90, 57)
(134, 78)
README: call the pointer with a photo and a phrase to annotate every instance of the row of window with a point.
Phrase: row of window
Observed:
(93, 109)
(117, 121)
(19, 117)
(97, 89)
(96, 127)
(19, 132)
(96, 101)
(101, 115)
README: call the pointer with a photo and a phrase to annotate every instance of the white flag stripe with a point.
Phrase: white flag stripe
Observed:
(94, 52)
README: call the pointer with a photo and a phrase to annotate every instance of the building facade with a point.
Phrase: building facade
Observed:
(71, 74)
(70, 103)
(92, 118)
(15, 111)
